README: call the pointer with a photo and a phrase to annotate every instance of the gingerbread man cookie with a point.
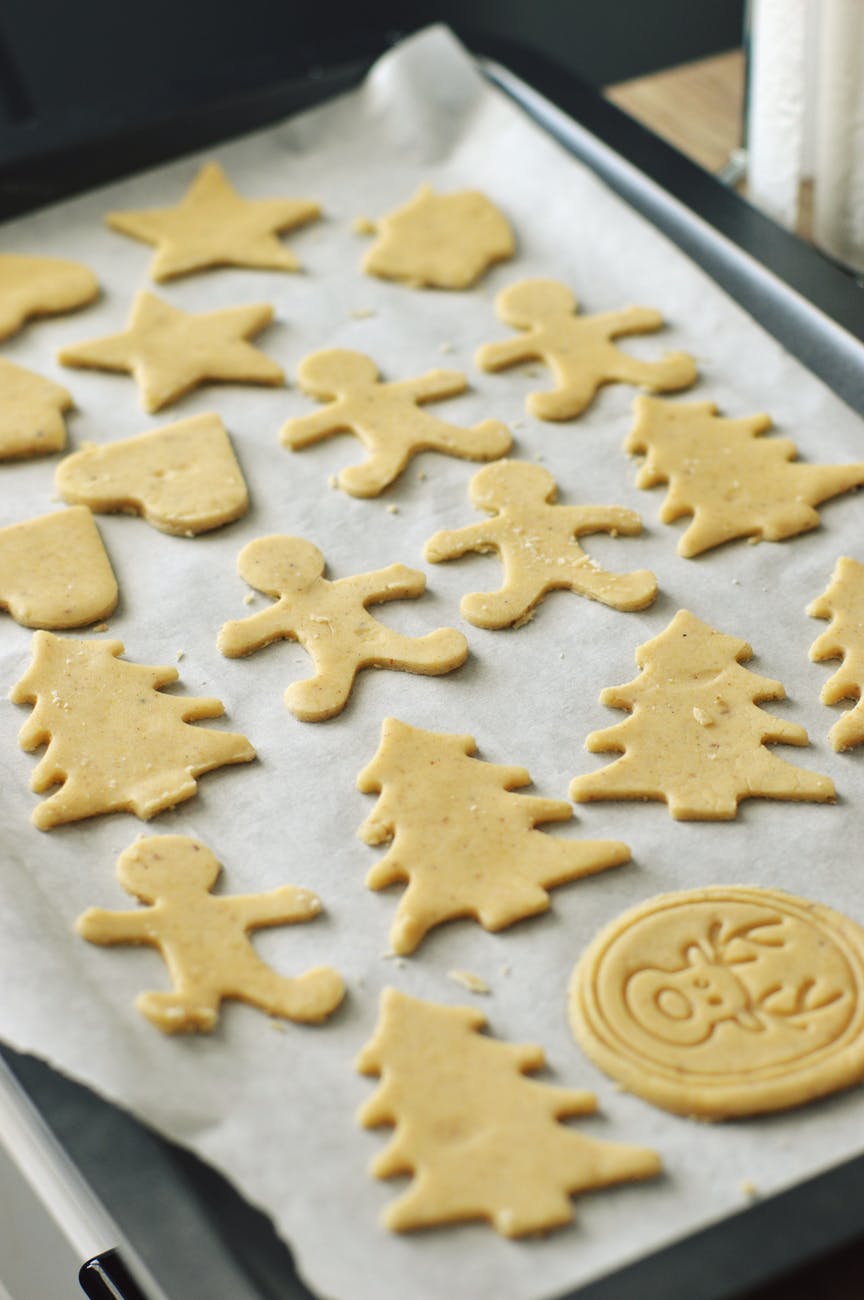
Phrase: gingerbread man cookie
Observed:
(440, 241)
(41, 286)
(332, 622)
(183, 479)
(579, 350)
(538, 546)
(31, 413)
(385, 417)
(170, 352)
(55, 572)
(213, 226)
(204, 941)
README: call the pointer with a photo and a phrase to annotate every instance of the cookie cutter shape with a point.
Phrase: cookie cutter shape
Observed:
(115, 742)
(41, 286)
(695, 736)
(204, 938)
(481, 1140)
(440, 241)
(169, 352)
(462, 840)
(31, 413)
(733, 482)
(537, 543)
(55, 571)
(387, 418)
(843, 604)
(579, 350)
(724, 1001)
(331, 621)
(213, 225)
(183, 479)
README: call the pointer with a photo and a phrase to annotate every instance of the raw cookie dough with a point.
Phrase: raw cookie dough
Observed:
(732, 481)
(385, 417)
(537, 543)
(843, 604)
(41, 286)
(115, 744)
(55, 572)
(332, 623)
(480, 1140)
(725, 1001)
(203, 938)
(695, 736)
(31, 413)
(462, 840)
(213, 226)
(578, 349)
(440, 241)
(170, 352)
(183, 479)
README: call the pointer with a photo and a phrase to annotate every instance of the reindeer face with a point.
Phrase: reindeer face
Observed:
(684, 1006)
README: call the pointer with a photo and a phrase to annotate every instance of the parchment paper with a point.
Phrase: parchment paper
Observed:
(273, 1106)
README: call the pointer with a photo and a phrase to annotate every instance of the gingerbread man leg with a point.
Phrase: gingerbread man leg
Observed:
(508, 607)
(577, 388)
(181, 1011)
(431, 655)
(674, 371)
(622, 591)
(308, 998)
(323, 696)
(377, 472)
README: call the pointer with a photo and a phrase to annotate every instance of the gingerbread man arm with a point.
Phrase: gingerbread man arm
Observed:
(243, 635)
(97, 925)
(283, 906)
(304, 430)
(629, 320)
(509, 352)
(434, 386)
(449, 544)
(393, 583)
(585, 520)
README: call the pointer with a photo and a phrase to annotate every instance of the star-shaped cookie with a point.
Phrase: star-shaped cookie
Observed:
(213, 225)
(170, 351)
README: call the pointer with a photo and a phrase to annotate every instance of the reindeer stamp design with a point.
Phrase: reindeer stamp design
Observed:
(725, 1001)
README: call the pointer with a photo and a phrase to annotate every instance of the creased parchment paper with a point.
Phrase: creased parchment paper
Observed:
(272, 1106)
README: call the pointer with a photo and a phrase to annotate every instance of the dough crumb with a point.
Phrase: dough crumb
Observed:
(392, 509)
(422, 476)
(704, 719)
(333, 481)
(473, 983)
(361, 313)
(364, 226)
(506, 968)
(101, 627)
(181, 654)
(749, 1189)
(445, 347)
(249, 598)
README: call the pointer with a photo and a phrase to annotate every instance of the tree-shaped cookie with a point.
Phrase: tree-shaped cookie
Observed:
(843, 604)
(31, 413)
(169, 352)
(579, 350)
(115, 742)
(695, 736)
(213, 225)
(480, 1140)
(183, 479)
(537, 542)
(387, 418)
(441, 241)
(55, 572)
(734, 482)
(331, 621)
(41, 286)
(462, 840)
(204, 941)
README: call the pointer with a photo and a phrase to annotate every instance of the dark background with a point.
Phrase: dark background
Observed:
(72, 69)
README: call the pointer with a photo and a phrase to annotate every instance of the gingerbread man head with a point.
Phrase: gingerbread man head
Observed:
(534, 303)
(280, 565)
(507, 482)
(154, 868)
(335, 373)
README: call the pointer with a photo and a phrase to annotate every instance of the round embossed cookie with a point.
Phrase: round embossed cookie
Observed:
(724, 1001)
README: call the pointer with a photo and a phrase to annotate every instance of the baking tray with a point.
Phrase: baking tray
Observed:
(815, 310)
